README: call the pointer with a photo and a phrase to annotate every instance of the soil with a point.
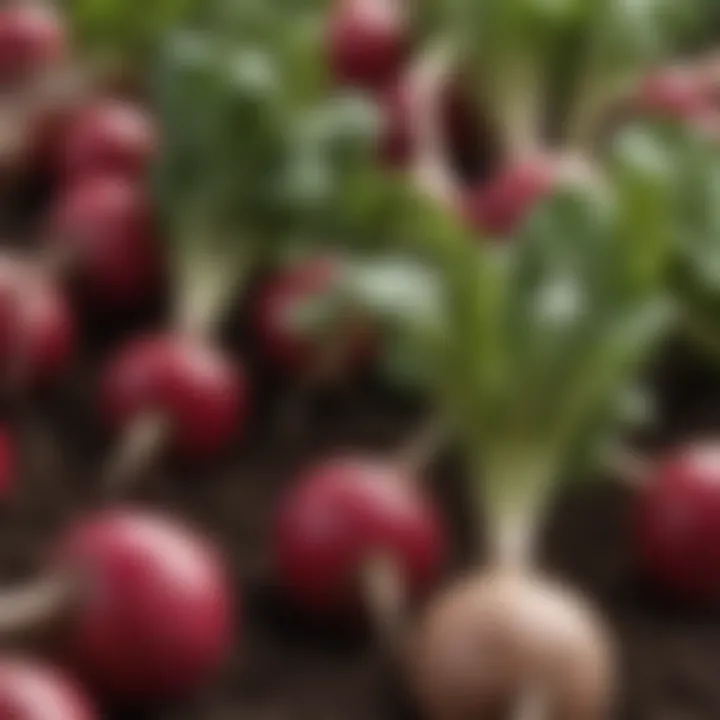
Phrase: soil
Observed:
(291, 667)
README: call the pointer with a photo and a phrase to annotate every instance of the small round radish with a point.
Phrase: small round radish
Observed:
(678, 523)
(108, 136)
(105, 225)
(345, 513)
(499, 206)
(155, 617)
(368, 41)
(8, 463)
(33, 691)
(193, 387)
(286, 344)
(675, 93)
(492, 640)
(32, 39)
(37, 332)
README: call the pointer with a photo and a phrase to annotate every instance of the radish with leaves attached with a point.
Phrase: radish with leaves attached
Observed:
(30, 690)
(514, 331)
(141, 605)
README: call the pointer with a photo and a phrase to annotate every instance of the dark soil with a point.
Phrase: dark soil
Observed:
(291, 667)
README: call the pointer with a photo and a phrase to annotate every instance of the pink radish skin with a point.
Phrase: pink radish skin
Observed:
(675, 93)
(37, 330)
(677, 524)
(105, 224)
(194, 387)
(33, 691)
(284, 345)
(342, 514)
(109, 136)
(157, 619)
(367, 42)
(499, 206)
(32, 40)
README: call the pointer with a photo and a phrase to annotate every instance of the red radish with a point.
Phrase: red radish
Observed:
(32, 39)
(37, 332)
(345, 513)
(105, 225)
(191, 386)
(499, 206)
(368, 41)
(33, 691)
(675, 93)
(287, 345)
(155, 611)
(8, 463)
(108, 136)
(677, 527)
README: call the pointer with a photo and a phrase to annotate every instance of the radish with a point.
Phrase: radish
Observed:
(677, 521)
(33, 691)
(294, 347)
(368, 41)
(187, 387)
(675, 93)
(37, 331)
(109, 135)
(145, 605)
(499, 206)
(102, 229)
(342, 517)
(32, 40)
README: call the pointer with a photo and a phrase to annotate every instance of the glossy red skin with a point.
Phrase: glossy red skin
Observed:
(499, 206)
(159, 618)
(196, 387)
(343, 513)
(35, 321)
(32, 39)
(111, 136)
(106, 223)
(674, 93)
(8, 463)
(284, 345)
(677, 524)
(30, 690)
(367, 42)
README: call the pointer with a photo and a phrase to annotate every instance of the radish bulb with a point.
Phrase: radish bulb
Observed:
(155, 616)
(674, 93)
(292, 346)
(33, 691)
(176, 387)
(342, 516)
(37, 331)
(493, 640)
(108, 136)
(141, 605)
(368, 41)
(32, 40)
(101, 229)
(676, 522)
